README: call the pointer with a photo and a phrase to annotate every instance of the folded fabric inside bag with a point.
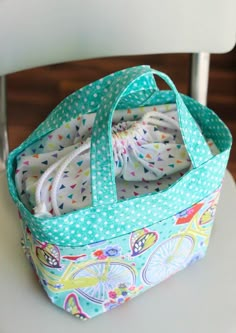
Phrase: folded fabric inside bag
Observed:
(53, 176)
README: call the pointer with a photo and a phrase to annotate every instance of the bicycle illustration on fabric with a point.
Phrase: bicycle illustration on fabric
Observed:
(175, 253)
(105, 274)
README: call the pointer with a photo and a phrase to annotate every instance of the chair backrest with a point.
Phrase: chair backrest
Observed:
(40, 32)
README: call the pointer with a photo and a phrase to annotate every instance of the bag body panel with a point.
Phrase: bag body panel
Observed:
(91, 279)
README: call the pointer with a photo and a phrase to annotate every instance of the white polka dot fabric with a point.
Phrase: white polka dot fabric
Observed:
(110, 216)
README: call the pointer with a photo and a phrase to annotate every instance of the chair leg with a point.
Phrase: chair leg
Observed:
(199, 76)
(3, 124)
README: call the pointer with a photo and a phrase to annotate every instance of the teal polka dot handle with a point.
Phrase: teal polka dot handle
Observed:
(102, 164)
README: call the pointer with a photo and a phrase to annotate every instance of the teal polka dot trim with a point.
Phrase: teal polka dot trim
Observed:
(108, 218)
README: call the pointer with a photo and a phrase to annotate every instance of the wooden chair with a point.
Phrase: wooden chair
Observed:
(36, 33)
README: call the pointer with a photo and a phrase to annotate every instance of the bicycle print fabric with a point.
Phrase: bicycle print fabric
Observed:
(117, 189)
(98, 277)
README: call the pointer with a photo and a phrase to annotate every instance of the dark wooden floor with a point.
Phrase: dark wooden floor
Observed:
(32, 94)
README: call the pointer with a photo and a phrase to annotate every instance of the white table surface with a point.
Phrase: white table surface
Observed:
(201, 298)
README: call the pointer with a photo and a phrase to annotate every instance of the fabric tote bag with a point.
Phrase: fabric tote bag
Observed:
(117, 189)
